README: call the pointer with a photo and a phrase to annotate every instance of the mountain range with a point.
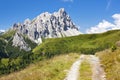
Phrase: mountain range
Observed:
(46, 25)
(49, 35)
(18, 42)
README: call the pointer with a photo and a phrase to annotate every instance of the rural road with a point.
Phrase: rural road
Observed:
(97, 71)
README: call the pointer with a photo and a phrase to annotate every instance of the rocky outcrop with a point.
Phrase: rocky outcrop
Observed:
(18, 41)
(46, 25)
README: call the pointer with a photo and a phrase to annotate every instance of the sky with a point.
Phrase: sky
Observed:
(91, 16)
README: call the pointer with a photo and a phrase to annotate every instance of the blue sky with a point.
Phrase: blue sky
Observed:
(84, 13)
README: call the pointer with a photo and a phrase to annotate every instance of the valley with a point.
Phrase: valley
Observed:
(51, 47)
(53, 61)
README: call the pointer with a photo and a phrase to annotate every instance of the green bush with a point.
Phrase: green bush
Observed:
(113, 48)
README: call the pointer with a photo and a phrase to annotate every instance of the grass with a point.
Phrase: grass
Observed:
(3, 43)
(84, 43)
(7, 35)
(85, 71)
(111, 63)
(55, 68)
(5, 61)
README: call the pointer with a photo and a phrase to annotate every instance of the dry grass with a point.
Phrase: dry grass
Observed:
(111, 63)
(52, 69)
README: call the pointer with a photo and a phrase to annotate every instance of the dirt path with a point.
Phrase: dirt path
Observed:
(97, 70)
(74, 70)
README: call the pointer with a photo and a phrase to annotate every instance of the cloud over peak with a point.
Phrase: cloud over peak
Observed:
(2, 31)
(106, 25)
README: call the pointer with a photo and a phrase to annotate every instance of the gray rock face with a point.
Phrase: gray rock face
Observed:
(18, 41)
(48, 25)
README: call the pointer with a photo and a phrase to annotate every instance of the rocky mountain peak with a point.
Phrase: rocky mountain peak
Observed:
(62, 11)
(27, 21)
(18, 41)
(48, 25)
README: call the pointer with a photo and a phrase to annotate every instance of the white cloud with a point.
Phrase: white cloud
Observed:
(2, 30)
(117, 19)
(67, 0)
(101, 27)
(105, 25)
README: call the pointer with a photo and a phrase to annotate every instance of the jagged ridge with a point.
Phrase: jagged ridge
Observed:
(48, 25)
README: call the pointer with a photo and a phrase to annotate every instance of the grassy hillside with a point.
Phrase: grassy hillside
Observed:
(12, 58)
(52, 69)
(2, 48)
(85, 43)
(8, 34)
(111, 63)
(4, 39)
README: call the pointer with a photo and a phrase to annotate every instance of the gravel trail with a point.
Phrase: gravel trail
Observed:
(97, 71)
(74, 70)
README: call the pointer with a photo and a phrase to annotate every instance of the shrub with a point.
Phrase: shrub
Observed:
(113, 48)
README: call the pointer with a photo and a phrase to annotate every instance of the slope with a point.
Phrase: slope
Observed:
(84, 43)
(111, 63)
(49, 69)
(12, 58)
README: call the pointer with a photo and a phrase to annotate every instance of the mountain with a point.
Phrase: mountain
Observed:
(47, 25)
(24, 37)
(18, 40)
(2, 31)
(17, 43)
(46, 36)
(14, 59)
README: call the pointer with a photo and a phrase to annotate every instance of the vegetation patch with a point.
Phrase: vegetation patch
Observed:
(12, 58)
(84, 43)
(111, 63)
(55, 68)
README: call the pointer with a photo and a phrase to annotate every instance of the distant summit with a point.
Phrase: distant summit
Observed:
(47, 25)
(2, 31)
